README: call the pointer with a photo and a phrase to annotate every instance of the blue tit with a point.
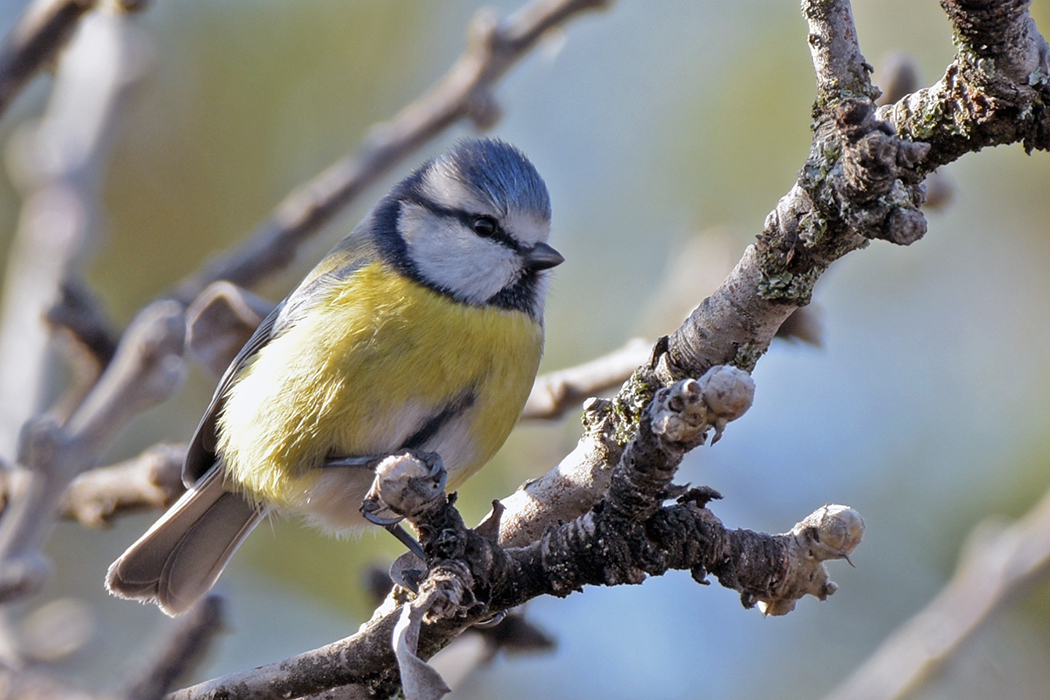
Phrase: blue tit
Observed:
(421, 330)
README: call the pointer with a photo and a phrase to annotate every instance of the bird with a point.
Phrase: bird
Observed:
(421, 330)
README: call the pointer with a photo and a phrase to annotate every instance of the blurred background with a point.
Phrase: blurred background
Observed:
(666, 132)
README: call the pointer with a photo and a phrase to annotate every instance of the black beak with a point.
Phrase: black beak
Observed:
(542, 257)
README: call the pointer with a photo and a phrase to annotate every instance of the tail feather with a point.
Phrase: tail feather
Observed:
(179, 559)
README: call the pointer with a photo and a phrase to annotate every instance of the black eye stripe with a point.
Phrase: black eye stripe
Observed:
(467, 219)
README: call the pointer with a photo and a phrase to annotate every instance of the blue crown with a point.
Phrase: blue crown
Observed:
(500, 173)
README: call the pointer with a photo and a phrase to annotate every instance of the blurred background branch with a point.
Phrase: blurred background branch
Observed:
(58, 164)
(147, 369)
(40, 34)
(184, 647)
(150, 481)
(559, 392)
(998, 563)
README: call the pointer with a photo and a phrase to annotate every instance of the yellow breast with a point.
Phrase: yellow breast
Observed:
(361, 372)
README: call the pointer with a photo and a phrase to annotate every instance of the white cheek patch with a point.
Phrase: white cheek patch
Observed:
(450, 256)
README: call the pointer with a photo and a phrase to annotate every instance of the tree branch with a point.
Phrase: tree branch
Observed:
(995, 92)
(470, 577)
(858, 183)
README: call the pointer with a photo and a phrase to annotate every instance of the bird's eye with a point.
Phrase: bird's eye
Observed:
(484, 226)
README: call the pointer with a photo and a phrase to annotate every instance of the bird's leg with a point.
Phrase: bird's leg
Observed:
(376, 510)
(404, 537)
(372, 508)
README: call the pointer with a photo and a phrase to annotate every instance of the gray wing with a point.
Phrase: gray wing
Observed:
(201, 453)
